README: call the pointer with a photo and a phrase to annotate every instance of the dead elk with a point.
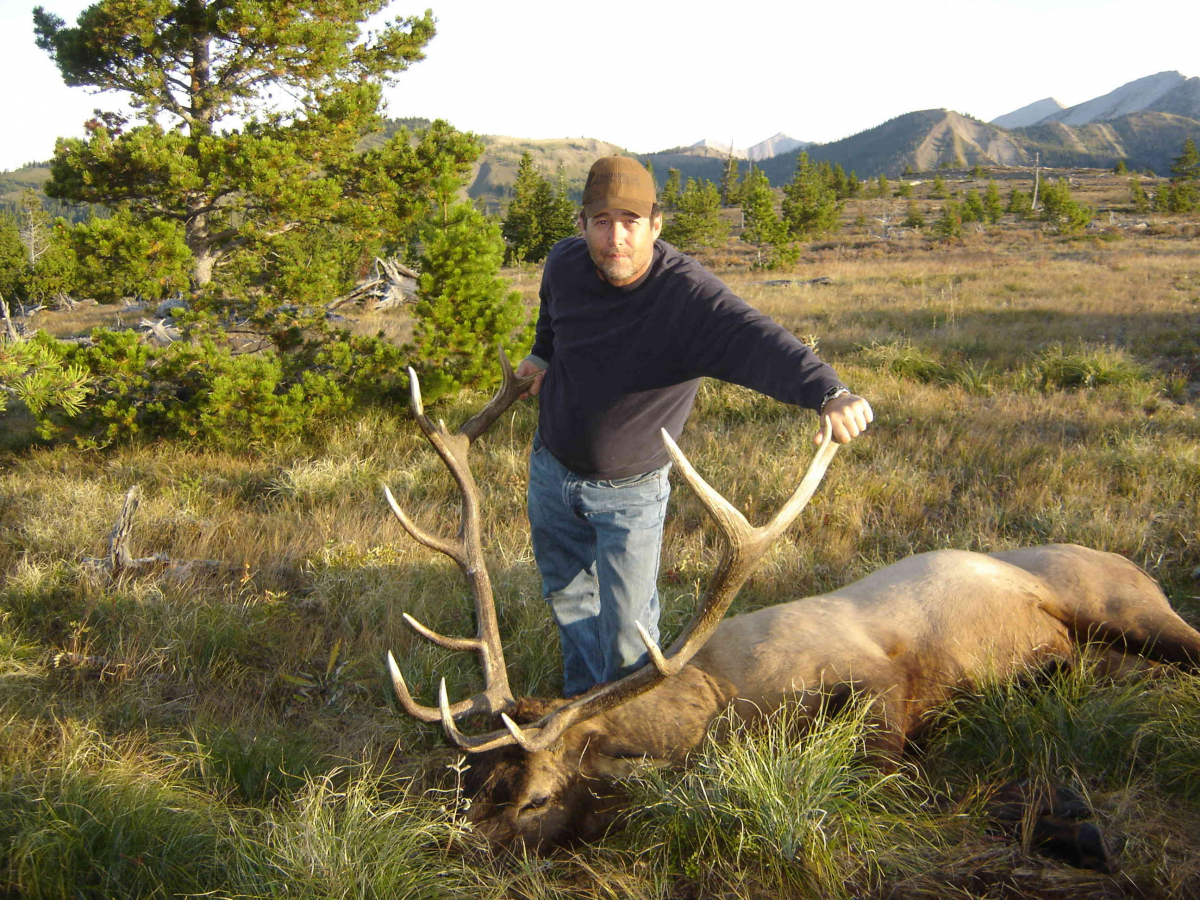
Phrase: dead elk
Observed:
(908, 637)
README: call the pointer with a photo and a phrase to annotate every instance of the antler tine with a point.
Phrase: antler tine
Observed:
(745, 546)
(467, 551)
(510, 390)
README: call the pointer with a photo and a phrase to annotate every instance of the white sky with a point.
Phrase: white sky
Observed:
(654, 74)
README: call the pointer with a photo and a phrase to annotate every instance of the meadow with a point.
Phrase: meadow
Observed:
(234, 735)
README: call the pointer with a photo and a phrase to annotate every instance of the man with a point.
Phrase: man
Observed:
(628, 325)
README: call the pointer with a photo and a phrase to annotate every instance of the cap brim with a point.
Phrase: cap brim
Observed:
(641, 207)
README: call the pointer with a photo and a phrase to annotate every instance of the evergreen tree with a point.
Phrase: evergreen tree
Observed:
(698, 222)
(914, 219)
(977, 171)
(730, 189)
(949, 225)
(669, 198)
(839, 183)
(972, 207)
(904, 190)
(938, 192)
(522, 228)
(260, 193)
(1186, 166)
(993, 205)
(56, 273)
(1137, 196)
(650, 170)
(1020, 204)
(809, 203)
(1185, 179)
(853, 185)
(560, 218)
(1060, 210)
(14, 266)
(908, 170)
(1163, 201)
(1120, 168)
(882, 186)
(464, 308)
(123, 257)
(764, 230)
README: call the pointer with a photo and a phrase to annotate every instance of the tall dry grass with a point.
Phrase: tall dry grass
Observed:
(1027, 389)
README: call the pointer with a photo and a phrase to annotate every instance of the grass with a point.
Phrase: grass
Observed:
(235, 736)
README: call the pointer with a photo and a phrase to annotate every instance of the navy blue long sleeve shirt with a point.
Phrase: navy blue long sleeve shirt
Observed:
(624, 362)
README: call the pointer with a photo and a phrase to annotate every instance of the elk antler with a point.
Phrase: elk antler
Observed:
(467, 550)
(745, 545)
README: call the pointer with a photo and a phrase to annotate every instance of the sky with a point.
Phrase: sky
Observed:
(662, 73)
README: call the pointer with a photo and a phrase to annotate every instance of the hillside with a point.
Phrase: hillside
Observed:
(1147, 140)
(923, 140)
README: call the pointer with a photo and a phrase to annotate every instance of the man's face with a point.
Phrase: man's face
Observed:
(621, 243)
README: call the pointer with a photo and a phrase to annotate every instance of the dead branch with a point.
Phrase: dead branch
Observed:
(390, 284)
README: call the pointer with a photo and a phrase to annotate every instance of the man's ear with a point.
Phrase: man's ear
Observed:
(656, 224)
(582, 222)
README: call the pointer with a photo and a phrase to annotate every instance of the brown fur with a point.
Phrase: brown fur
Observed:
(907, 636)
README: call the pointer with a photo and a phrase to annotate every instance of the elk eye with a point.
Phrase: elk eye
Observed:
(535, 803)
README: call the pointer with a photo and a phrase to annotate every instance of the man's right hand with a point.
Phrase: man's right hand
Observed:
(526, 367)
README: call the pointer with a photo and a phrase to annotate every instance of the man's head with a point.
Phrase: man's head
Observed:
(620, 218)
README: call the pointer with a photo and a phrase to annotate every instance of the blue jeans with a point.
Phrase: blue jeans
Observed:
(597, 544)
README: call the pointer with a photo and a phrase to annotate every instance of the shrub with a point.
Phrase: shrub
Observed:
(1060, 210)
(1087, 367)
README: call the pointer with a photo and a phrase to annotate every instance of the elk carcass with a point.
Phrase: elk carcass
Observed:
(907, 637)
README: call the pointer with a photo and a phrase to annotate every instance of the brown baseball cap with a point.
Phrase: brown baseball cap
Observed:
(618, 182)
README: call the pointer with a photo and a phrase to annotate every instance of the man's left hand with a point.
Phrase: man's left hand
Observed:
(850, 415)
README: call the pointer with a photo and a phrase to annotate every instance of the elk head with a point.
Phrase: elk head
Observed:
(547, 776)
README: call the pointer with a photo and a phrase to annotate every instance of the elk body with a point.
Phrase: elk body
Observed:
(906, 637)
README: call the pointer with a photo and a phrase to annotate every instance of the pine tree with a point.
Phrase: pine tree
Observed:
(993, 205)
(908, 170)
(464, 308)
(1186, 166)
(560, 218)
(914, 219)
(977, 171)
(972, 207)
(1020, 204)
(522, 228)
(14, 265)
(882, 186)
(1137, 196)
(853, 185)
(1185, 179)
(904, 190)
(698, 222)
(809, 203)
(260, 194)
(669, 198)
(1120, 168)
(938, 191)
(1060, 210)
(949, 225)
(764, 230)
(33, 372)
(730, 189)
(840, 185)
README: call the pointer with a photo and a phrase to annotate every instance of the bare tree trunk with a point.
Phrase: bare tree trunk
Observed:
(1037, 177)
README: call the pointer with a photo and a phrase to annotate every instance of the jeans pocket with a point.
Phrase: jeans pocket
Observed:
(633, 480)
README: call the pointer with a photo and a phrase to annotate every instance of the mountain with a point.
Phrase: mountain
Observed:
(1142, 95)
(1028, 115)
(773, 146)
(1145, 140)
(705, 147)
(923, 140)
(1184, 100)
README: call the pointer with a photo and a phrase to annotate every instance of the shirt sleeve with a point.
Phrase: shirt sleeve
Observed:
(733, 341)
(543, 340)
